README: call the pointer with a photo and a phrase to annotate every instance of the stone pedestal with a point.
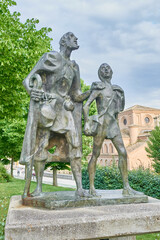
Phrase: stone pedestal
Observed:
(124, 238)
(84, 223)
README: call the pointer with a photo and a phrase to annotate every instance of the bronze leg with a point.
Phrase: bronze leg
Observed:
(97, 144)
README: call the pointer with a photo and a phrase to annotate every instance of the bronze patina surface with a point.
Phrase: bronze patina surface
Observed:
(67, 199)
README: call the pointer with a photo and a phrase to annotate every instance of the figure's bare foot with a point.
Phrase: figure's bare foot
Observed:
(24, 195)
(128, 191)
(37, 192)
(82, 193)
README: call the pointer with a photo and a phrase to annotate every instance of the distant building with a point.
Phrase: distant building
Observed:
(135, 123)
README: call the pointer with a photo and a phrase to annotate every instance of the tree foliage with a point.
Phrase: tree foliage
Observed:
(21, 45)
(153, 148)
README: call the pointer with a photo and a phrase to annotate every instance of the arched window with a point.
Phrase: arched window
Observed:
(110, 148)
(105, 148)
(101, 162)
(102, 149)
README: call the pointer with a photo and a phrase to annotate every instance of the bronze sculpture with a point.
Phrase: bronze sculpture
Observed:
(55, 115)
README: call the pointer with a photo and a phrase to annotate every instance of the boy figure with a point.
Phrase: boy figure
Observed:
(110, 101)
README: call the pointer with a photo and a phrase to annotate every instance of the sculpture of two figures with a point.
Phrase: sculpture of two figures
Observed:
(55, 118)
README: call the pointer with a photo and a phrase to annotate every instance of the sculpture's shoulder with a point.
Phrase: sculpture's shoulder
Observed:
(97, 86)
(117, 88)
(119, 98)
(50, 61)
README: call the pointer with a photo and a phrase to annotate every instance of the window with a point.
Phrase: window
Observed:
(110, 148)
(125, 121)
(147, 120)
(102, 150)
(105, 148)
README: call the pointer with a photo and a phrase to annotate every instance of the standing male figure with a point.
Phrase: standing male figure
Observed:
(55, 113)
(110, 101)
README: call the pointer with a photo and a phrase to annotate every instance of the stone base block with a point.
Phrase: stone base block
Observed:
(96, 222)
(123, 238)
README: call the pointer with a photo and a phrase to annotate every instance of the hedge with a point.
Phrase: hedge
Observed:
(109, 178)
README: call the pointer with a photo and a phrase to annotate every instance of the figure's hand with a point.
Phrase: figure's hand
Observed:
(97, 86)
(68, 104)
(37, 95)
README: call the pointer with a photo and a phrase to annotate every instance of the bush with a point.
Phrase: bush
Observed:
(4, 176)
(109, 178)
(145, 181)
(105, 178)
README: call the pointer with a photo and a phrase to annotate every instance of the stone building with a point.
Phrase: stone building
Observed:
(135, 123)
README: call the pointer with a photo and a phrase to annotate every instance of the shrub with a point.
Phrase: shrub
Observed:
(145, 181)
(109, 178)
(105, 178)
(4, 176)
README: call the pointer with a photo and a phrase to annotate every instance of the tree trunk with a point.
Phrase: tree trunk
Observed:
(12, 161)
(54, 176)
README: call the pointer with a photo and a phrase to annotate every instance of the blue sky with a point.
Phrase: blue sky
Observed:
(123, 33)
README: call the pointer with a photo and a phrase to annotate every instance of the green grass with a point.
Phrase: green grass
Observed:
(15, 187)
(153, 236)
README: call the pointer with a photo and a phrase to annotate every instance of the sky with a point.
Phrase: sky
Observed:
(123, 33)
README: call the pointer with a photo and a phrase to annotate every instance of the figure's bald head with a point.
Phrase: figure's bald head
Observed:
(69, 40)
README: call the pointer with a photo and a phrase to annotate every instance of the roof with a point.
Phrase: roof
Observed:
(139, 107)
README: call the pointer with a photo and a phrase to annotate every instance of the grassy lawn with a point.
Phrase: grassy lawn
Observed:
(16, 188)
(153, 236)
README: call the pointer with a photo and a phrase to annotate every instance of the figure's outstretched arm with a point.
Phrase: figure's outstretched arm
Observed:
(80, 97)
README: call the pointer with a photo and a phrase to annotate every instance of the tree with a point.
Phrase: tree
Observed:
(54, 166)
(153, 148)
(21, 45)
(57, 166)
